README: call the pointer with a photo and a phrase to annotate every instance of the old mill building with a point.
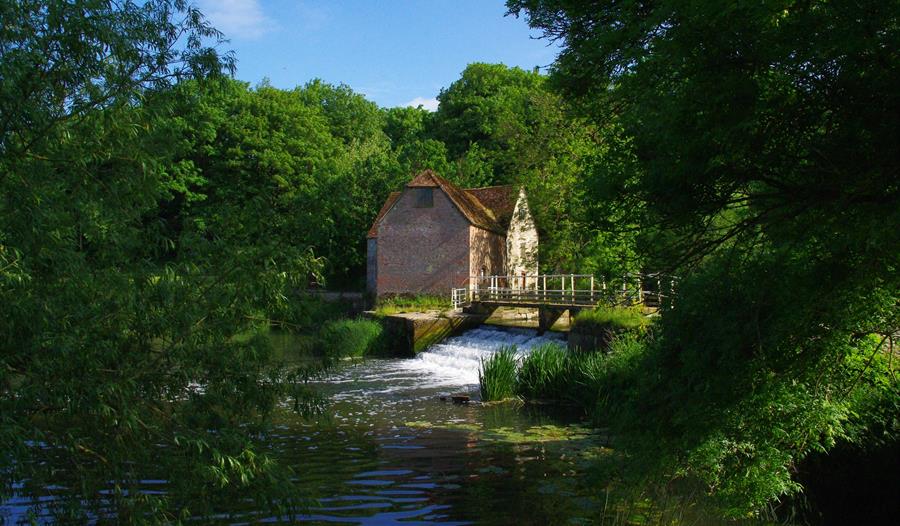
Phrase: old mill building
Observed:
(433, 236)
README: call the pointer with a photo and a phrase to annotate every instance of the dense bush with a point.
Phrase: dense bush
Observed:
(497, 375)
(304, 313)
(350, 338)
(738, 399)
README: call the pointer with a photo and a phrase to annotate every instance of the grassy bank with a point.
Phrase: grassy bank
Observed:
(612, 320)
(411, 303)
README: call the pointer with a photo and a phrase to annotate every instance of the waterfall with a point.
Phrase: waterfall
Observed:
(455, 361)
(449, 366)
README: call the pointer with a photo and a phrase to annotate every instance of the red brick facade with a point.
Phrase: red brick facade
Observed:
(422, 249)
(432, 237)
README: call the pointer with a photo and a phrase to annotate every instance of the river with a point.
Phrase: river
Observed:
(392, 449)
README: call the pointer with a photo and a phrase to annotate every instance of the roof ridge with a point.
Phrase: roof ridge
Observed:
(492, 186)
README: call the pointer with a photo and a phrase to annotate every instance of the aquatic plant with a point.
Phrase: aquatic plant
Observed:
(497, 374)
(544, 374)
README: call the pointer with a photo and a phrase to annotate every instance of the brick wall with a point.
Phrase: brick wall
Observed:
(487, 252)
(422, 249)
(371, 264)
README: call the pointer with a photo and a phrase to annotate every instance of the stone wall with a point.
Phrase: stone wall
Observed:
(522, 241)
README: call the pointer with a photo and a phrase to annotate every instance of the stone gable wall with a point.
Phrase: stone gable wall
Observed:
(522, 241)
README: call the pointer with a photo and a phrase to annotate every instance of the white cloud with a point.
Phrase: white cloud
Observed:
(237, 18)
(428, 104)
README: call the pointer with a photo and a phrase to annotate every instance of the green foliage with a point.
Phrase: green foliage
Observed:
(119, 316)
(302, 313)
(612, 319)
(411, 303)
(764, 173)
(596, 382)
(497, 374)
(543, 374)
(502, 125)
(350, 339)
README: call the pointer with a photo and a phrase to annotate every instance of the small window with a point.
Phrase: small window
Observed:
(424, 197)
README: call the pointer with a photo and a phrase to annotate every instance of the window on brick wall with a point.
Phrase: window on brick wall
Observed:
(424, 197)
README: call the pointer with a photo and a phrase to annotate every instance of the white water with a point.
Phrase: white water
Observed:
(455, 361)
(452, 364)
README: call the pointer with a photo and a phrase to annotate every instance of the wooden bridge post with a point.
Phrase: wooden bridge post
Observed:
(672, 294)
(640, 292)
(592, 288)
(545, 288)
(659, 294)
(572, 280)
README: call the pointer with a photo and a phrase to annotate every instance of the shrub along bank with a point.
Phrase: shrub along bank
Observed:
(350, 338)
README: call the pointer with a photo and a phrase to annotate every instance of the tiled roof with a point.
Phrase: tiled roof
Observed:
(392, 198)
(489, 208)
(501, 200)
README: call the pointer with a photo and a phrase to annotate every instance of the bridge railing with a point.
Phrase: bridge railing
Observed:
(584, 290)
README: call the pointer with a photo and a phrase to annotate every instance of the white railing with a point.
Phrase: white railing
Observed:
(459, 297)
(585, 290)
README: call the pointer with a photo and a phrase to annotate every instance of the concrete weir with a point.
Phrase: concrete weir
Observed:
(413, 332)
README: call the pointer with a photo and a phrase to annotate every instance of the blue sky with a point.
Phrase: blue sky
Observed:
(395, 52)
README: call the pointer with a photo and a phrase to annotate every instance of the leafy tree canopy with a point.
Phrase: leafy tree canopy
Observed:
(767, 176)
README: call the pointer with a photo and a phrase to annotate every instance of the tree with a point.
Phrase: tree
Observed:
(119, 345)
(475, 110)
(767, 169)
(504, 126)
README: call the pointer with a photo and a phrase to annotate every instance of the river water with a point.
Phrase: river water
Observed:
(390, 451)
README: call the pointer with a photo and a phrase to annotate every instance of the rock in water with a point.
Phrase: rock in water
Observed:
(460, 399)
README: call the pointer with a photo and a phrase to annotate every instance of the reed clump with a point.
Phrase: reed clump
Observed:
(550, 373)
(545, 373)
(497, 375)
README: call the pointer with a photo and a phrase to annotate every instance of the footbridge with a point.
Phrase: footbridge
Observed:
(554, 294)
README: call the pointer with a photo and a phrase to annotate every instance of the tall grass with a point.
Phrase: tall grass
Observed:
(497, 375)
(544, 373)
(411, 303)
(592, 381)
